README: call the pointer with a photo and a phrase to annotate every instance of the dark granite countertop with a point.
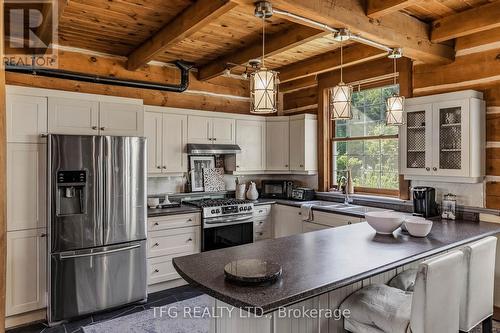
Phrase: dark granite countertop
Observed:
(183, 209)
(318, 262)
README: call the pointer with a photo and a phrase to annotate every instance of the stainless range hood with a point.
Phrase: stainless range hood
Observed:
(212, 149)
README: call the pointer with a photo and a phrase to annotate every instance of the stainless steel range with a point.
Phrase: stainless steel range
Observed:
(226, 222)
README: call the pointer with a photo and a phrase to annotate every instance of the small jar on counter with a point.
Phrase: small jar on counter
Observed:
(449, 206)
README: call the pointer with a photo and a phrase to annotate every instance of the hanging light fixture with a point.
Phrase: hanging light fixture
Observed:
(340, 95)
(263, 82)
(395, 103)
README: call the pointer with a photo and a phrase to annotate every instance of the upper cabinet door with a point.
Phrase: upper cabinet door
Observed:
(251, 137)
(451, 142)
(174, 143)
(199, 129)
(278, 153)
(121, 119)
(73, 116)
(153, 132)
(297, 145)
(223, 131)
(416, 141)
(26, 118)
(26, 271)
(26, 165)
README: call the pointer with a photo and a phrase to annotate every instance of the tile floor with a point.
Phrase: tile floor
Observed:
(156, 299)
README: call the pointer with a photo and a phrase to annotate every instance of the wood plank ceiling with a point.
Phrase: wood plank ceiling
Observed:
(126, 27)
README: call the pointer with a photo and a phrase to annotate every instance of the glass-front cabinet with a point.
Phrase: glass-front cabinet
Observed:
(444, 137)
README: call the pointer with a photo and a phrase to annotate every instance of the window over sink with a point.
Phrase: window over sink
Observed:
(366, 145)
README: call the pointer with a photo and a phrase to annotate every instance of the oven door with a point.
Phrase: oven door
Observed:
(219, 233)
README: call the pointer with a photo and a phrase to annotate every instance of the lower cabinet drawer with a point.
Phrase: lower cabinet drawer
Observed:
(173, 242)
(262, 234)
(262, 211)
(260, 225)
(161, 269)
(173, 221)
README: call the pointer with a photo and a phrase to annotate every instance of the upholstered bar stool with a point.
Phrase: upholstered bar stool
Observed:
(433, 307)
(476, 303)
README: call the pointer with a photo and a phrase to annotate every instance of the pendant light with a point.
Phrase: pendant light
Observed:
(395, 103)
(263, 82)
(341, 95)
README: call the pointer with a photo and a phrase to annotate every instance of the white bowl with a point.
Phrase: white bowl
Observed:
(384, 222)
(418, 227)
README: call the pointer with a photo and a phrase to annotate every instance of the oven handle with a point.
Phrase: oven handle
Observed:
(220, 222)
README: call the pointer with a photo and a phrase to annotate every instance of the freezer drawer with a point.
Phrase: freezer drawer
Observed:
(87, 281)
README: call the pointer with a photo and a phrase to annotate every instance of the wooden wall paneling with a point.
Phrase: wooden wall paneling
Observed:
(185, 100)
(301, 98)
(3, 176)
(476, 71)
(324, 141)
(493, 127)
(182, 26)
(492, 96)
(493, 195)
(305, 82)
(493, 161)
(471, 21)
(478, 42)
(378, 8)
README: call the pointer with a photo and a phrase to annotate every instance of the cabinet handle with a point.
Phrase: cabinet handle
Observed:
(215, 139)
(158, 167)
(428, 169)
(349, 222)
(260, 211)
(44, 135)
(300, 213)
(261, 222)
(435, 169)
(190, 220)
(156, 244)
(102, 128)
(164, 167)
(94, 128)
(302, 165)
(237, 166)
(286, 165)
(43, 235)
(156, 224)
(261, 233)
(157, 270)
(190, 239)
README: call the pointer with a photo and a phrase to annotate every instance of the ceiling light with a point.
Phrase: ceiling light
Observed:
(395, 103)
(340, 96)
(395, 53)
(342, 35)
(263, 82)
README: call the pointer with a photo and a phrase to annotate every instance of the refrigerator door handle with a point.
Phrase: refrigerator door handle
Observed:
(66, 255)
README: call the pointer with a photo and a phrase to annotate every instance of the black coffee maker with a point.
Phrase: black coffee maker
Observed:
(424, 201)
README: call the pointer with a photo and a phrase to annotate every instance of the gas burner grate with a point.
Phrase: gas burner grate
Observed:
(202, 203)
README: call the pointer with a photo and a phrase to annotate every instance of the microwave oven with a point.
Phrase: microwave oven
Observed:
(276, 189)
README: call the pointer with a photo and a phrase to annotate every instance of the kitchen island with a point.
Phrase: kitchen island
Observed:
(319, 270)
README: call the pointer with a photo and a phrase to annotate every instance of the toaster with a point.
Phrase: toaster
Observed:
(302, 194)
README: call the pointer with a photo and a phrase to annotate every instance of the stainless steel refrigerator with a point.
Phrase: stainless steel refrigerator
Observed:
(97, 223)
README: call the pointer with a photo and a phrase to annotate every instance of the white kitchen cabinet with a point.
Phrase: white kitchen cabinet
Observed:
(309, 226)
(121, 119)
(167, 136)
(251, 137)
(303, 143)
(277, 144)
(286, 220)
(26, 118)
(76, 116)
(73, 116)
(444, 138)
(263, 224)
(215, 130)
(26, 178)
(333, 220)
(26, 271)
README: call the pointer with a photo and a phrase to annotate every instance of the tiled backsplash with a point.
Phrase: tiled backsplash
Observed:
(467, 194)
(176, 184)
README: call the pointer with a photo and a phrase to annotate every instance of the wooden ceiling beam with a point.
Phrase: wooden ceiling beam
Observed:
(378, 8)
(353, 54)
(275, 44)
(465, 23)
(396, 30)
(478, 42)
(182, 26)
(44, 31)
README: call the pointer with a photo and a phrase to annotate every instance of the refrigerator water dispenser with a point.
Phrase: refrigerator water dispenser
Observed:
(71, 193)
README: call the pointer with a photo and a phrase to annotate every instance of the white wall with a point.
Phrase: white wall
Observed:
(175, 184)
(467, 194)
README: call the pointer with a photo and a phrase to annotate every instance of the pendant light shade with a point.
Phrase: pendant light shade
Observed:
(341, 95)
(263, 91)
(394, 114)
(263, 82)
(340, 101)
(395, 110)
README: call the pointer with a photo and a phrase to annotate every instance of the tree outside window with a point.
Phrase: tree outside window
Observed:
(370, 150)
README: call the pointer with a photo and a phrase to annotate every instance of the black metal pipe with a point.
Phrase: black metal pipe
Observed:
(61, 74)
